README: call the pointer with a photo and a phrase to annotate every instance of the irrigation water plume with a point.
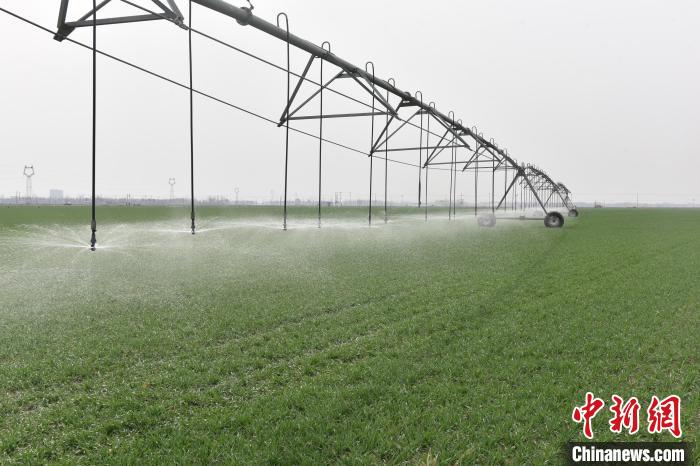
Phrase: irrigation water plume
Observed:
(524, 186)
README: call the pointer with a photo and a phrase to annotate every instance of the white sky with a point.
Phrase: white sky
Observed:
(603, 95)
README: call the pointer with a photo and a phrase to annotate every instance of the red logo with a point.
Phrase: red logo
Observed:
(625, 415)
(665, 415)
(662, 415)
(587, 412)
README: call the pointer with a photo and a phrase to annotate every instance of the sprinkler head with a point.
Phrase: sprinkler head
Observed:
(93, 242)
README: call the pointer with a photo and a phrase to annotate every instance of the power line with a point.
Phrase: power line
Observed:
(201, 93)
(265, 61)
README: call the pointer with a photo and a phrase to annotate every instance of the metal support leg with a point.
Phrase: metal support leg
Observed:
(493, 185)
(505, 186)
(454, 186)
(320, 151)
(452, 166)
(286, 145)
(93, 223)
(192, 216)
(371, 143)
(476, 190)
(386, 166)
(427, 169)
(320, 139)
(420, 151)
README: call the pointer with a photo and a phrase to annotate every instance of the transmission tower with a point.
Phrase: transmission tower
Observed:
(171, 182)
(28, 173)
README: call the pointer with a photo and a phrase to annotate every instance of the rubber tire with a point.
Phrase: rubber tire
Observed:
(573, 213)
(488, 221)
(554, 220)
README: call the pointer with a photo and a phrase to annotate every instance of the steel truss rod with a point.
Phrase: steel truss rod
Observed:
(337, 115)
(534, 192)
(451, 126)
(478, 154)
(459, 162)
(550, 197)
(474, 157)
(284, 116)
(120, 20)
(403, 149)
(510, 186)
(439, 146)
(485, 165)
(373, 92)
(378, 145)
(311, 97)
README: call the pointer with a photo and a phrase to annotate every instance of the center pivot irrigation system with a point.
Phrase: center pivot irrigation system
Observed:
(391, 109)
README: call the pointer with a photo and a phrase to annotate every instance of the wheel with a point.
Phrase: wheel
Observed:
(488, 221)
(554, 220)
(573, 213)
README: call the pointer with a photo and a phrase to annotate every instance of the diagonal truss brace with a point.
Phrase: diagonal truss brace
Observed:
(65, 28)
(287, 115)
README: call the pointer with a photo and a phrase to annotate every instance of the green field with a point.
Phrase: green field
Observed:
(412, 342)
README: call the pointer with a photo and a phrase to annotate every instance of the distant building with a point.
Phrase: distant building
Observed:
(56, 196)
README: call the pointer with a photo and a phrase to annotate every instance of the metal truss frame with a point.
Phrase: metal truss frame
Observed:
(537, 188)
(170, 11)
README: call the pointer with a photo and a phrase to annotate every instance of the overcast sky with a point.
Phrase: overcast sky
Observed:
(602, 94)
